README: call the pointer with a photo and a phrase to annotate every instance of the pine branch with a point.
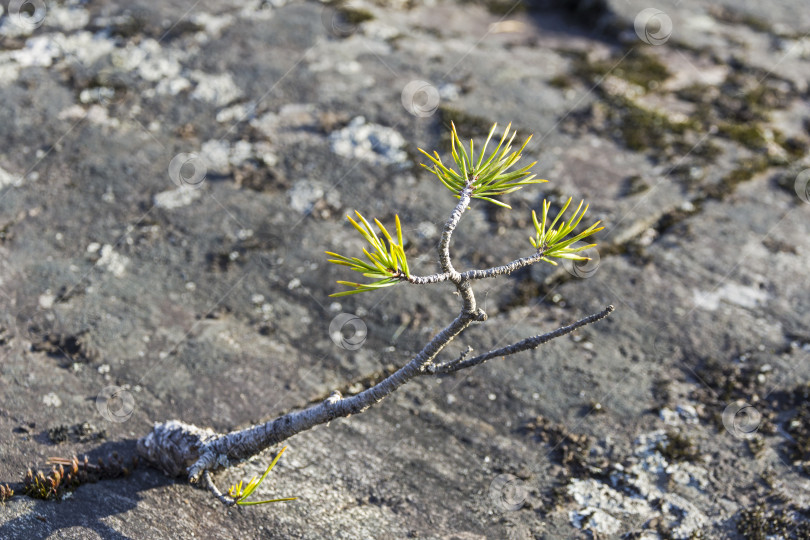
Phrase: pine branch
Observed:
(523, 345)
(183, 449)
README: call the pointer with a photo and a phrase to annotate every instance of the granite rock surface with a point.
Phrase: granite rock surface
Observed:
(171, 174)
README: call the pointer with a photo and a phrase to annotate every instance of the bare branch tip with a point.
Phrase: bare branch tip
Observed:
(212, 487)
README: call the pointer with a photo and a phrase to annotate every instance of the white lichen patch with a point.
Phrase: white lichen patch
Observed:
(10, 27)
(241, 151)
(294, 120)
(98, 115)
(38, 51)
(176, 198)
(52, 400)
(234, 113)
(172, 86)
(85, 47)
(449, 91)
(96, 95)
(637, 493)
(305, 193)
(616, 86)
(9, 71)
(427, 230)
(46, 300)
(263, 151)
(149, 60)
(595, 520)
(113, 262)
(370, 142)
(691, 518)
(95, 114)
(45, 50)
(217, 89)
(601, 506)
(228, 338)
(73, 112)
(212, 25)
(740, 295)
(683, 414)
(221, 156)
(7, 179)
(217, 154)
(67, 17)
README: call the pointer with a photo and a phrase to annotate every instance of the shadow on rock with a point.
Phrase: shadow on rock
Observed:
(89, 505)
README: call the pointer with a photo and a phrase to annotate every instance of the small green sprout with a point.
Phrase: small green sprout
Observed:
(386, 264)
(5, 493)
(490, 178)
(553, 242)
(236, 492)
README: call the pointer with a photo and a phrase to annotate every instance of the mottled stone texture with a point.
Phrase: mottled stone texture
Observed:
(171, 174)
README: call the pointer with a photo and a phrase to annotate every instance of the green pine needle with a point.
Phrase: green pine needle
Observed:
(385, 261)
(556, 242)
(490, 178)
(236, 492)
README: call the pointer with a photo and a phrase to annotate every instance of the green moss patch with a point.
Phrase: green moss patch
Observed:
(469, 124)
(68, 474)
(571, 450)
(678, 447)
(747, 134)
(634, 66)
(759, 523)
(354, 15)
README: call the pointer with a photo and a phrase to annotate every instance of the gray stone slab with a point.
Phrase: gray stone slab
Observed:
(170, 180)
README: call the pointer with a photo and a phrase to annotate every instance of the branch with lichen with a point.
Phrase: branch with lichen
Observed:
(183, 449)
